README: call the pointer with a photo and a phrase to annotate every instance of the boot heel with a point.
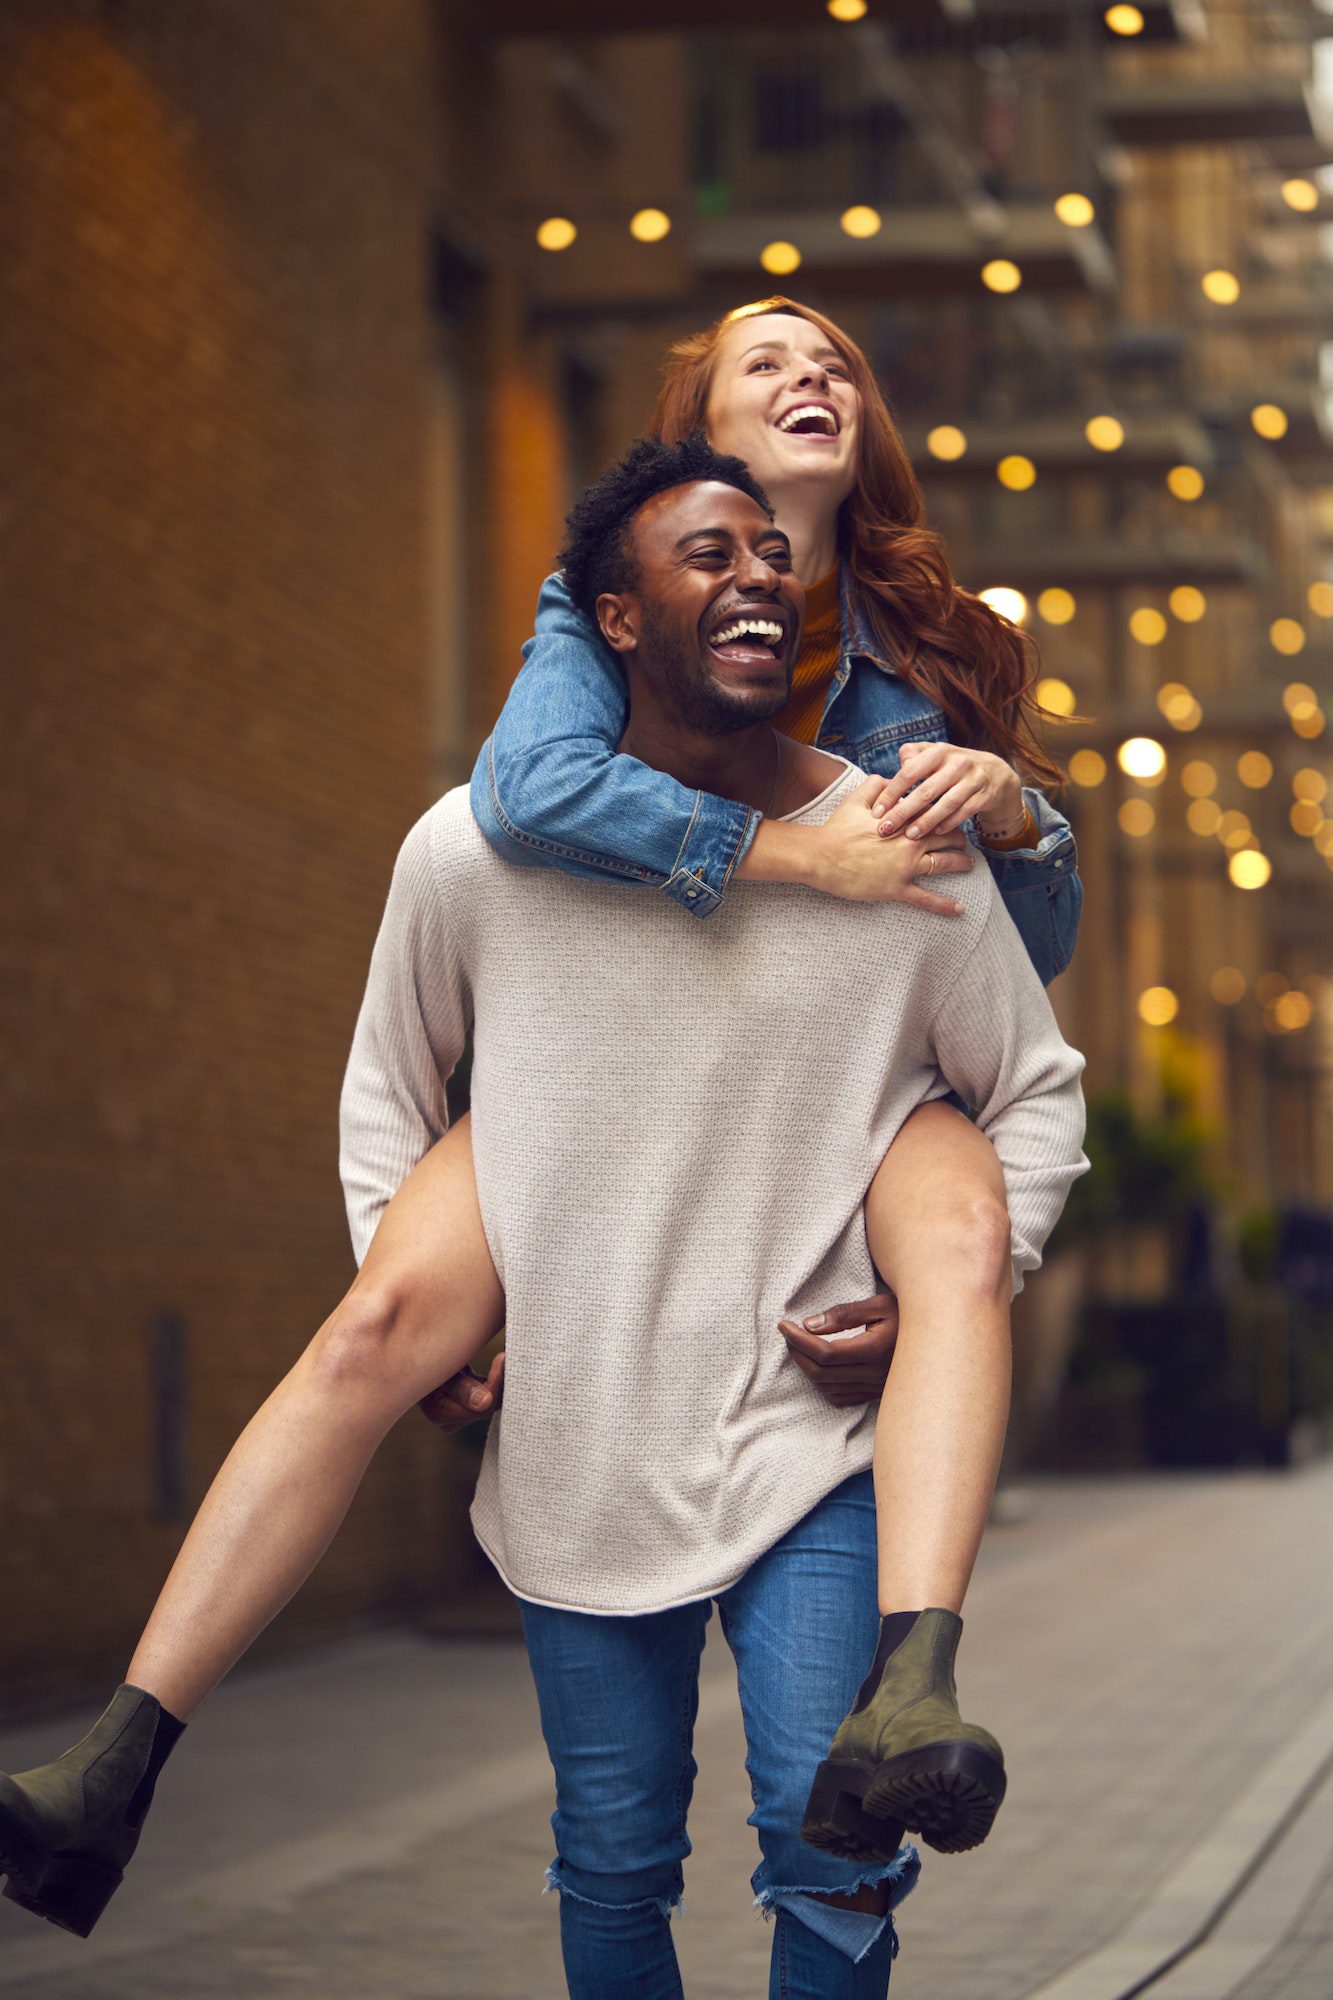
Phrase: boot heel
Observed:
(71, 1893)
(836, 1820)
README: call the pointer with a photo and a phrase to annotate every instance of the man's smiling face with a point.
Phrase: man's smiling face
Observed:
(713, 621)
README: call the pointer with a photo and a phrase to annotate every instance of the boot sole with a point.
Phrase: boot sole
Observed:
(66, 1889)
(949, 1793)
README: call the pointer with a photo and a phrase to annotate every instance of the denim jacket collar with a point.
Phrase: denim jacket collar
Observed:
(857, 641)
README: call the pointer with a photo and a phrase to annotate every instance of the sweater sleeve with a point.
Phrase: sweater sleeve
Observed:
(409, 1036)
(996, 1041)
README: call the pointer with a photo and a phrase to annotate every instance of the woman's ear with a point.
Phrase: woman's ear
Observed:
(619, 626)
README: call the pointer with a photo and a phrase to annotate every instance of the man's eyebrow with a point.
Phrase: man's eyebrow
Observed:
(773, 534)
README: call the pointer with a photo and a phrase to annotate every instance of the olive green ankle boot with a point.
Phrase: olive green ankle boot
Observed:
(904, 1753)
(68, 1829)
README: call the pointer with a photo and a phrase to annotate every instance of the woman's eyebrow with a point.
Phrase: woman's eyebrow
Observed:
(784, 346)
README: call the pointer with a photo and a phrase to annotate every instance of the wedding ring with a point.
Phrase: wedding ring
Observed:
(931, 859)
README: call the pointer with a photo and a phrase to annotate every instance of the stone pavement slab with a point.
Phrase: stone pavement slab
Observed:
(372, 1819)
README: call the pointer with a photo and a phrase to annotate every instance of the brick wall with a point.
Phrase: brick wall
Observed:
(213, 345)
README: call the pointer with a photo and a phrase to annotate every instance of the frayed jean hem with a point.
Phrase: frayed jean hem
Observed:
(852, 1932)
(668, 1906)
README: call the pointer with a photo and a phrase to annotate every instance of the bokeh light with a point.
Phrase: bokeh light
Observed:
(556, 233)
(1203, 816)
(1010, 604)
(1147, 625)
(1001, 274)
(1227, 985)
(1222, 287)
(1234, 829)
(1293, 1011)
(1308, 783)
(780, 258)
(1306, 818)
(1254, 769)
(1157, 1006)
(847, 10)
(861, 220)
(1286, 635)
(1087, 767)
(1104, 433)
(1199, 778)
(1186, 482)
(1057, 606)
(1056, 696)
(1136, 818)
(1319, 597)
(1142, 757)
(1124, 20)
(1249, 869)
(1269, 419)
(1016, 472)
(650, 225)
(1075, 210)
(946, 441)
(1300, 194)
(1187, 603)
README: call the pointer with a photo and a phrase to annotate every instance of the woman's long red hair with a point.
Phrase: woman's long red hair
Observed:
(976, 665)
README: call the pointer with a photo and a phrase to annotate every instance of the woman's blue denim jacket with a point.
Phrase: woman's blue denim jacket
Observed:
(550, 788)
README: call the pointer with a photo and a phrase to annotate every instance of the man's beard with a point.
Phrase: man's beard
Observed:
(695, 697)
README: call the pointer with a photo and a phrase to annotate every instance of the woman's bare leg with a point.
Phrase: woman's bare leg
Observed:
(938, 1228)
(425, 1300)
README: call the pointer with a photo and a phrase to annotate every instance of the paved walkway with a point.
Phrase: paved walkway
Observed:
(371, 1819)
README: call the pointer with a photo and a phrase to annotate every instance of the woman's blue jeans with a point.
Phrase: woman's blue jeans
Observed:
(618, 1700)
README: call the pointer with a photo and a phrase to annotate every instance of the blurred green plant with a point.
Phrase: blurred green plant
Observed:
(1143, 1170)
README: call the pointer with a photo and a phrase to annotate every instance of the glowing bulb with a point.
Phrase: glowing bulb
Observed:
(1157, 1006)
(1001, 275)
(1293, 1011)
(1302, 195)
(946, 441)
(556, 233)
(1199, 778)
(1175, 701)
(1104, 433)
(860, 220)
(1074, 210)
(1269, 420)
(1016, 472)
(1286, 635)
(1136, 818)
(1124, 20)
(1056, 606)
(1254, 769)
(1010, 604)
(1222, 287)
(1141, 757)
(780, 259)
(650, 225)
(1249, 869)
(1056, 696)
(1187, 603)
(1227, 985)
(1185, 482)
(1148, 626)
(1087, 767)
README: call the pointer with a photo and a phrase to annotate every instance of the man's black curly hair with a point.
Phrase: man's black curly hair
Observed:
(598, 555)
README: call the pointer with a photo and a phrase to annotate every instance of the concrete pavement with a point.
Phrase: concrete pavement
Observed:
(372, 1819)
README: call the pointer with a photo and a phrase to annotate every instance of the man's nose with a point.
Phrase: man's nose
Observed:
(756, 576)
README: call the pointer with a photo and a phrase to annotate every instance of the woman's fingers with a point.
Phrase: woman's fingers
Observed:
(950, 810)
(859, 1312)
(869, 792)
(914, 761)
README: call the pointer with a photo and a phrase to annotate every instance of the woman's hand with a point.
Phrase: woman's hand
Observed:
(852, 1370)
(938, 786)
(852, 861)
(465, 1397)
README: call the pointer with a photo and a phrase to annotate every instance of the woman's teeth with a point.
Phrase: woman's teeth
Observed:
(810, 413)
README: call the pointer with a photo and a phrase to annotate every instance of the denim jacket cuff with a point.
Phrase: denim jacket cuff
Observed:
(719, 833)
(1052, 859)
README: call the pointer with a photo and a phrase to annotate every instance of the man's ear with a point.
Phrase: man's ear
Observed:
(618, 618)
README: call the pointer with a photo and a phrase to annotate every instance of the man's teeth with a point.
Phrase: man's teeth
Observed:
(825, 417)
(759, 628)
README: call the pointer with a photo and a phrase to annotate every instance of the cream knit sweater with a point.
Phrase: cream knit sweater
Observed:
(674, 1125)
